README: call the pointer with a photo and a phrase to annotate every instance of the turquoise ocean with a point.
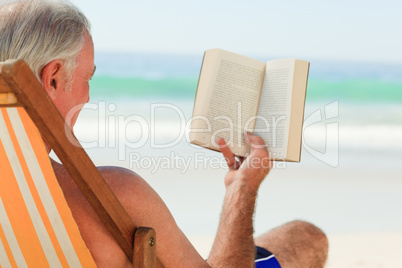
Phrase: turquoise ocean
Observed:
(350, 175)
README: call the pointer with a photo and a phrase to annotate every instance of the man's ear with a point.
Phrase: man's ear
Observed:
(52, 78)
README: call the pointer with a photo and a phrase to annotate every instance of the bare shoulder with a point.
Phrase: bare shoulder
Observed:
(114, 170)
(121, 180)
(136, 196)
(118, 177)
(127, 185)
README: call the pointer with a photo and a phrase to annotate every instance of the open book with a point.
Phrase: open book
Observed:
(237, 94)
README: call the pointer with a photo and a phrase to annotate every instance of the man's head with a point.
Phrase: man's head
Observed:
(51, 37)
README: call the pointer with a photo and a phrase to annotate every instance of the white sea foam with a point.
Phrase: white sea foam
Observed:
(356, 136)
(164, 131)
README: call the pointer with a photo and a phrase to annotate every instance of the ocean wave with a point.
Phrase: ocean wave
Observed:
(135, 133)
(351, 90)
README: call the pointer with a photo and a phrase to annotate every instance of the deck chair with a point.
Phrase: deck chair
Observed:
(36, 225)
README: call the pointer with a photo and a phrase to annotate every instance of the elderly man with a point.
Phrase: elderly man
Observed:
(54, 38)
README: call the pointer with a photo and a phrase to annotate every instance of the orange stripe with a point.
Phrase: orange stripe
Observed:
(4, 240)
(18, 213)
(72, 229)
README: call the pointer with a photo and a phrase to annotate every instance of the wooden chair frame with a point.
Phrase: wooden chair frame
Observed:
(19, 87)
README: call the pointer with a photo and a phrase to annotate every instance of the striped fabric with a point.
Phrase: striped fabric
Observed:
(36, 225)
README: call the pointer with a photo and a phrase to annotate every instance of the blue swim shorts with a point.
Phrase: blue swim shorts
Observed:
(265, 259)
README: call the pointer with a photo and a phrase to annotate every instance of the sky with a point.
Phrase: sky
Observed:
(351, 30)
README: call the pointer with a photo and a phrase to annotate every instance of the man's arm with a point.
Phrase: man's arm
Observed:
(234, 243)
(146, 208)
(233, 246)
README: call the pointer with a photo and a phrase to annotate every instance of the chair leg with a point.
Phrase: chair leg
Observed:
(144, 254)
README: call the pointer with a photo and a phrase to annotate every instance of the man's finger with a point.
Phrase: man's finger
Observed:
(227, 153)
(260, 150)
(255, 141)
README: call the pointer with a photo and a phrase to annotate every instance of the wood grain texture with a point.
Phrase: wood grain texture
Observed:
(144, 248)
(5, 88)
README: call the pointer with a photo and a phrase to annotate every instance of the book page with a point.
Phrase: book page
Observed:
(231, 103)
(273, 117)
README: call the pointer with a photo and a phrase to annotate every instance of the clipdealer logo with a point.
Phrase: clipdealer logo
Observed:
(113, 132)
(326, 119)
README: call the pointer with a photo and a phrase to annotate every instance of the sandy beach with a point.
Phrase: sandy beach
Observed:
(356, 204)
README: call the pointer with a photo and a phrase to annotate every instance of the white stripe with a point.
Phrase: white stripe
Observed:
(43, 190)
(27, 195)
(11, 240)
(4, 262)
(265, 259)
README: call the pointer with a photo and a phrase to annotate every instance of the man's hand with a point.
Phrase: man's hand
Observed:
(234, 243)
(249, 171)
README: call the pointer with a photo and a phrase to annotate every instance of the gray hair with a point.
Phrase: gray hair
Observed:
(40, 31)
